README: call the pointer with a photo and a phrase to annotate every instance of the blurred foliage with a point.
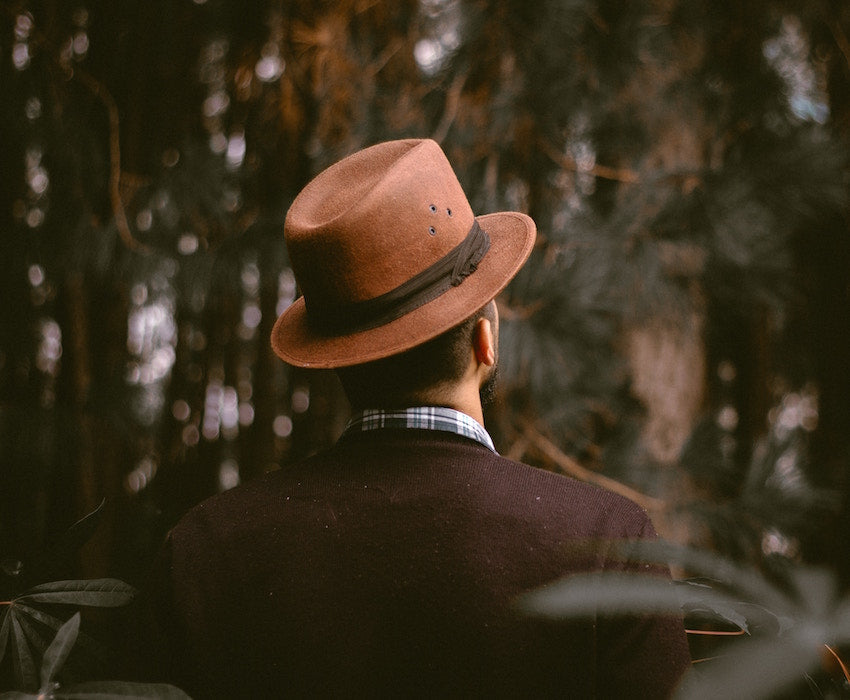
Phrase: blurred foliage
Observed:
(25, 624)
(680, 330)
(53, 659)
(34, 609)
(779, 630)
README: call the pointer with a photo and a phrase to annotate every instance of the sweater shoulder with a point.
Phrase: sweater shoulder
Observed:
(582, 503)
(445, 470)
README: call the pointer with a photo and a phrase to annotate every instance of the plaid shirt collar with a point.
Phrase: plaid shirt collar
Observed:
(423, 418)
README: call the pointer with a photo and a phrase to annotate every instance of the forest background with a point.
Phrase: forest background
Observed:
(680, 333)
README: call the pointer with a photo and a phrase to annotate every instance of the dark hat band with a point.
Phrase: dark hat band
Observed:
(449, 271)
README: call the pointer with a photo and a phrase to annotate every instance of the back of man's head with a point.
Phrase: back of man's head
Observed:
(419, 376)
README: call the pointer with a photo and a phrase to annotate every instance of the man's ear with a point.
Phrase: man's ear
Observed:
(484, 342)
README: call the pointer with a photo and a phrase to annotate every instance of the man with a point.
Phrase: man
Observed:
(390, 564)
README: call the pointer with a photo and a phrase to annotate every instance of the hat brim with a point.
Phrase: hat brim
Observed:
(512, 237)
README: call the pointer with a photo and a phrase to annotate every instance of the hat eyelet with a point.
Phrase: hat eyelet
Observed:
(433, 208)
(432, 230)
(449, 212)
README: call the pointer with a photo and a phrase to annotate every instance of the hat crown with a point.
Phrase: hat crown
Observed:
(373, 221)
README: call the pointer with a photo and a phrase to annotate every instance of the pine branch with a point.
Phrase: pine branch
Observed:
(452, 106)
(605, 172)
(571, 467)
(99, 90)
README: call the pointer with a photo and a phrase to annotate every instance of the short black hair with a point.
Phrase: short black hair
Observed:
(397, 381)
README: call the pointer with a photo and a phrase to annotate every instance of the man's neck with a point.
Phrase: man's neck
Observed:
(463, 397)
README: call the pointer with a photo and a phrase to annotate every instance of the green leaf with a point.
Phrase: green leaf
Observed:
(58, 650)
(748, 582)
(816, 589)
(22, 660)
(762, 620)
(608, 593)
(697, 597)
(44, 618)
(37, 637)
(842, 621)
(102, 593)
(84, 643)
(5, 629)
(759, 668)
(104, 690)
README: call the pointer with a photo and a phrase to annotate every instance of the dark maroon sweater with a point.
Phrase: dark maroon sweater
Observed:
(388, 566)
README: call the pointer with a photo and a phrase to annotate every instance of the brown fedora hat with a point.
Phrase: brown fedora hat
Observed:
(388, 254)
